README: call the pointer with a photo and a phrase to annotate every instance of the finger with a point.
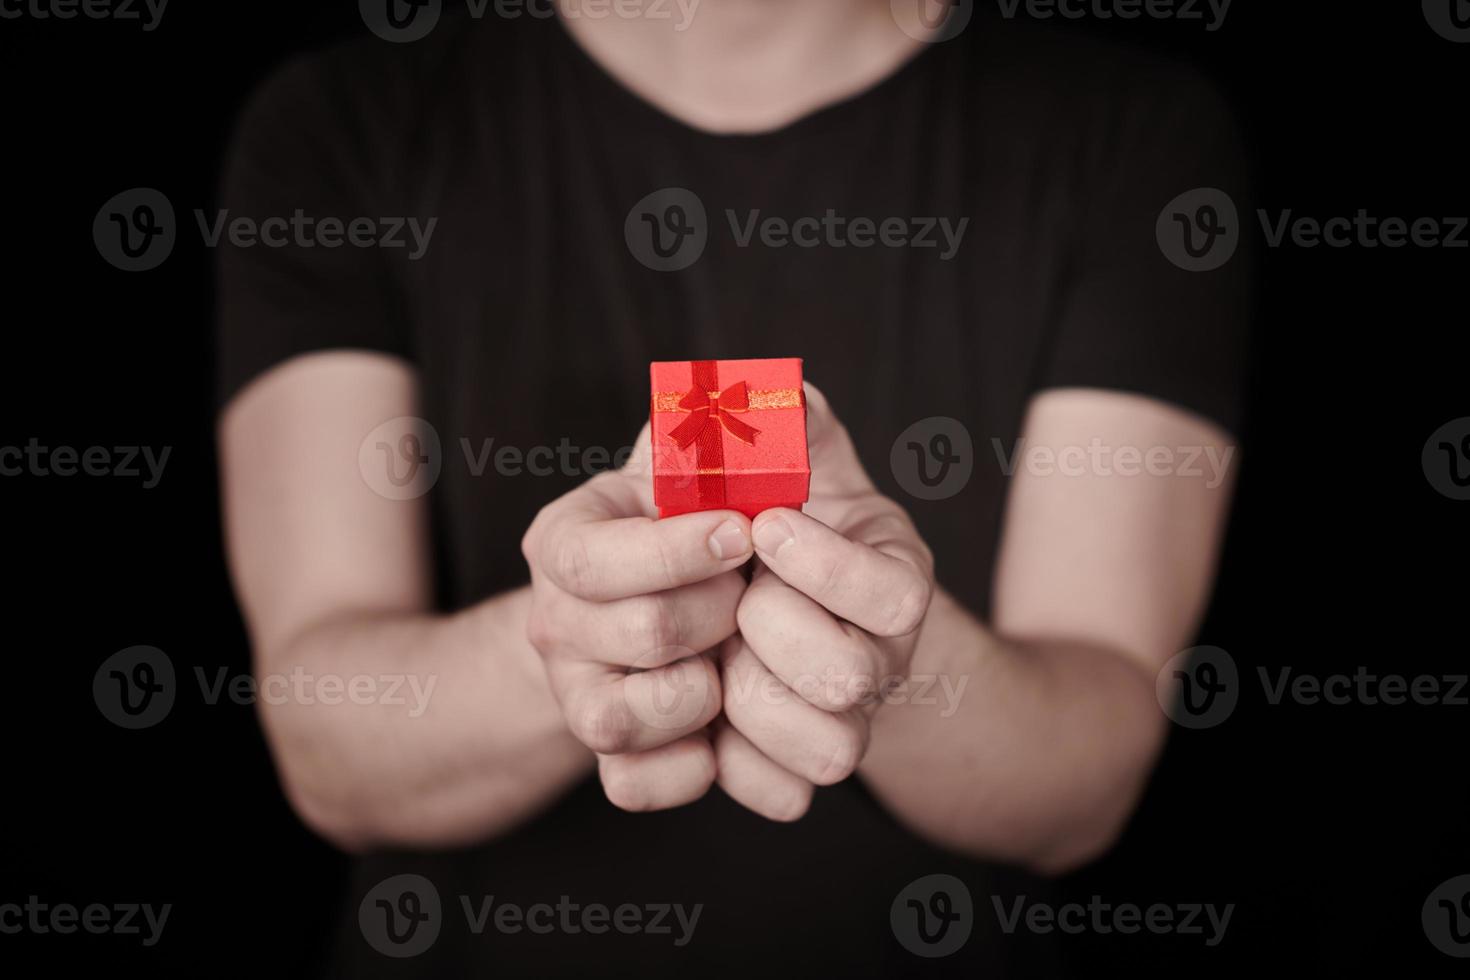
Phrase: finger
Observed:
(613, 711)
(754, 781)
(835, 466)
(819, 746)
(884, 593)
(829, 663)
(669, 776)
(585, 553)
(647, 631)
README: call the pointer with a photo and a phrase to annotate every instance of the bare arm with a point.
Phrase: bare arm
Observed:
(1101, 578)
(453, 734)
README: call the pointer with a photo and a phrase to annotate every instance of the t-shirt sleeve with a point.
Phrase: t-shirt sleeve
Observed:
(1130, 318)
(300, 154)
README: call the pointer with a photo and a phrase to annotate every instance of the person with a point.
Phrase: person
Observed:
(890, 681)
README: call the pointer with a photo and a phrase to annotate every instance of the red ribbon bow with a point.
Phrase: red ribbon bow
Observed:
(704, 408)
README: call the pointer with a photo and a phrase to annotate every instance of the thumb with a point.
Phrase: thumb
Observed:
(834, 462)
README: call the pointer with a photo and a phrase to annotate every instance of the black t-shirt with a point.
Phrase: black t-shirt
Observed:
(533, 313)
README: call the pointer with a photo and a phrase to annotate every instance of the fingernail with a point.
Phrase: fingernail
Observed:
(772, 535)
(728, 541)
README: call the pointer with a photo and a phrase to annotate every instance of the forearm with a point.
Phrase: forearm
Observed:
(454, 738)
(1038, 758)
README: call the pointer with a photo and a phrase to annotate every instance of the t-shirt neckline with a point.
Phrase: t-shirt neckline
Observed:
(813, 119)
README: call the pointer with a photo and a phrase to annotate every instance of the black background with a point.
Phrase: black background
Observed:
(1326, 825)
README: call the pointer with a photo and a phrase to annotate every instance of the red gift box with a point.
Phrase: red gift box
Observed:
(728, 434)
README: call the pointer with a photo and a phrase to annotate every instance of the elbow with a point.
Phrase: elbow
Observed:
(328, 819)
(1088, 832)
(1070, 832)
(315, 797)
(316, 785)
(1075, 849)
(1063, 849)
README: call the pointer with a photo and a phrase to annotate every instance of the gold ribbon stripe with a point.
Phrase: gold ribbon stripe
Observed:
(668, 401)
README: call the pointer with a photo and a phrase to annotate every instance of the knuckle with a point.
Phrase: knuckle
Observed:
(827, 573)
(707, 771)
(748, 611)
(790, 805)
(571, 566)
(540, 631)
(840, 757)
(758, 605)
(668, 565)
(651, 625)
(624, 789)
(604, 726)
(853, 677)
(907, 614)
(530, 541)
(739, 685)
